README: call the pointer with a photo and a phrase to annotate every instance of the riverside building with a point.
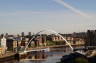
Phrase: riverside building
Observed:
(3, 45)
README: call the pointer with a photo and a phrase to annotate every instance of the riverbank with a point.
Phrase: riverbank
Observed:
(54, 46)
(78, 58)
(12, 56)
(7, 57)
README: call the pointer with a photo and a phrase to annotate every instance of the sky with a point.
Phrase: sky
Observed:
(18, 16)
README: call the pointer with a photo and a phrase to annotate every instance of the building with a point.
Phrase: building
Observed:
(3, 44)
(13, 42)
(91, 38)
(40, 40)
(24, 42)
(1, 51)
(56, 38)
(68, 37)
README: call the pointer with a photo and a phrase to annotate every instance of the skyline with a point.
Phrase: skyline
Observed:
(32, 15)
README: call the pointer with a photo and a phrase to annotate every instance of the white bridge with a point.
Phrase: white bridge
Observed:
(41, 49)
(44, 49)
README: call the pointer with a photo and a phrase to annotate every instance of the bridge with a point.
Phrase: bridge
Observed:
(40, 49)
(46, 48)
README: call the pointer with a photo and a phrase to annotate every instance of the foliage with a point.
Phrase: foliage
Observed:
(81, 60)
(50, 43)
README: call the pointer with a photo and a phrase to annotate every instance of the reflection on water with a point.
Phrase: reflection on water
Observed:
(42, 56)
(39, 55)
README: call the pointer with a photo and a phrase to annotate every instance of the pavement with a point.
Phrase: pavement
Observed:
(7, 54)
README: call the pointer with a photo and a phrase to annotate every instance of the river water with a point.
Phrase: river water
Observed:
(42, 57)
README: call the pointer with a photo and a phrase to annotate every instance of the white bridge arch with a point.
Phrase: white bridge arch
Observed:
(48, 31)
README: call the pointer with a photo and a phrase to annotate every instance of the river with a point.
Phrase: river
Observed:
(41, 57)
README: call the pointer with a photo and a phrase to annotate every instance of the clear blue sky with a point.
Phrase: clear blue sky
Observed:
(32, 15)
(44, 5)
